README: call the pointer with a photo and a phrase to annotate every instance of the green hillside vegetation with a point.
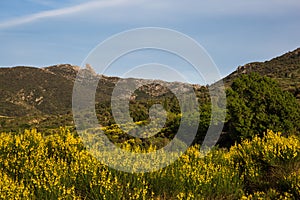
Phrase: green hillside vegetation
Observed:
(284, 69)
(256, 157)
(41, 98)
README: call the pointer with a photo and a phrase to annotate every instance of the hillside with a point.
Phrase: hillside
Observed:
(28, 90)
(284, 69)
(42, 97)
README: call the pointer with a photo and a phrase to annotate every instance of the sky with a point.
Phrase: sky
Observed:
(233, 32)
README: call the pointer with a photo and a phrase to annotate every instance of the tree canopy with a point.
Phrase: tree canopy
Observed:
(256, 104)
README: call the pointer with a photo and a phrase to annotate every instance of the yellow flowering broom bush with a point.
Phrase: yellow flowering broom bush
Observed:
(269, 164)
(57, 166)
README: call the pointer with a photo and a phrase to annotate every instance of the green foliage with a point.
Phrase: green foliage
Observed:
(256, 104)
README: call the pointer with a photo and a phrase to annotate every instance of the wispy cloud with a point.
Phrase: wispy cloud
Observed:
(60, 12)
(148, 10)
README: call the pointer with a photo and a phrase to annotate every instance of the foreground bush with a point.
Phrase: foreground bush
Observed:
(33, 166)
(270, 165)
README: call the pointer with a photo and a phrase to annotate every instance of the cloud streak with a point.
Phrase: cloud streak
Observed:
(60, 12)
(156, 9)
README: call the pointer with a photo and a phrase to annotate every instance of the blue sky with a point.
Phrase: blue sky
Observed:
(233, 32)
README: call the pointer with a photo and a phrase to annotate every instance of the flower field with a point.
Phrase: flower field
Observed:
(57, 166)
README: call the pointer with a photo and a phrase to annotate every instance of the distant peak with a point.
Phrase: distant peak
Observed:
(66, 70)
(63, 67)
(89, 68)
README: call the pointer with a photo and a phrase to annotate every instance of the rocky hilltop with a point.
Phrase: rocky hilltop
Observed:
(285, 69)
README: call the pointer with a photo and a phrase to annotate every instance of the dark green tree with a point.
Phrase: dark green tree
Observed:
(256, 103)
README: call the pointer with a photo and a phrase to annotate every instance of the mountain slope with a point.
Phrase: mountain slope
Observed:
(28, 90)
(35, 96)
(32, 96)
(284, 69)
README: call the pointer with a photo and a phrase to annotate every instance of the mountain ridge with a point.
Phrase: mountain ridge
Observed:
(47, 91)
(285, 69)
